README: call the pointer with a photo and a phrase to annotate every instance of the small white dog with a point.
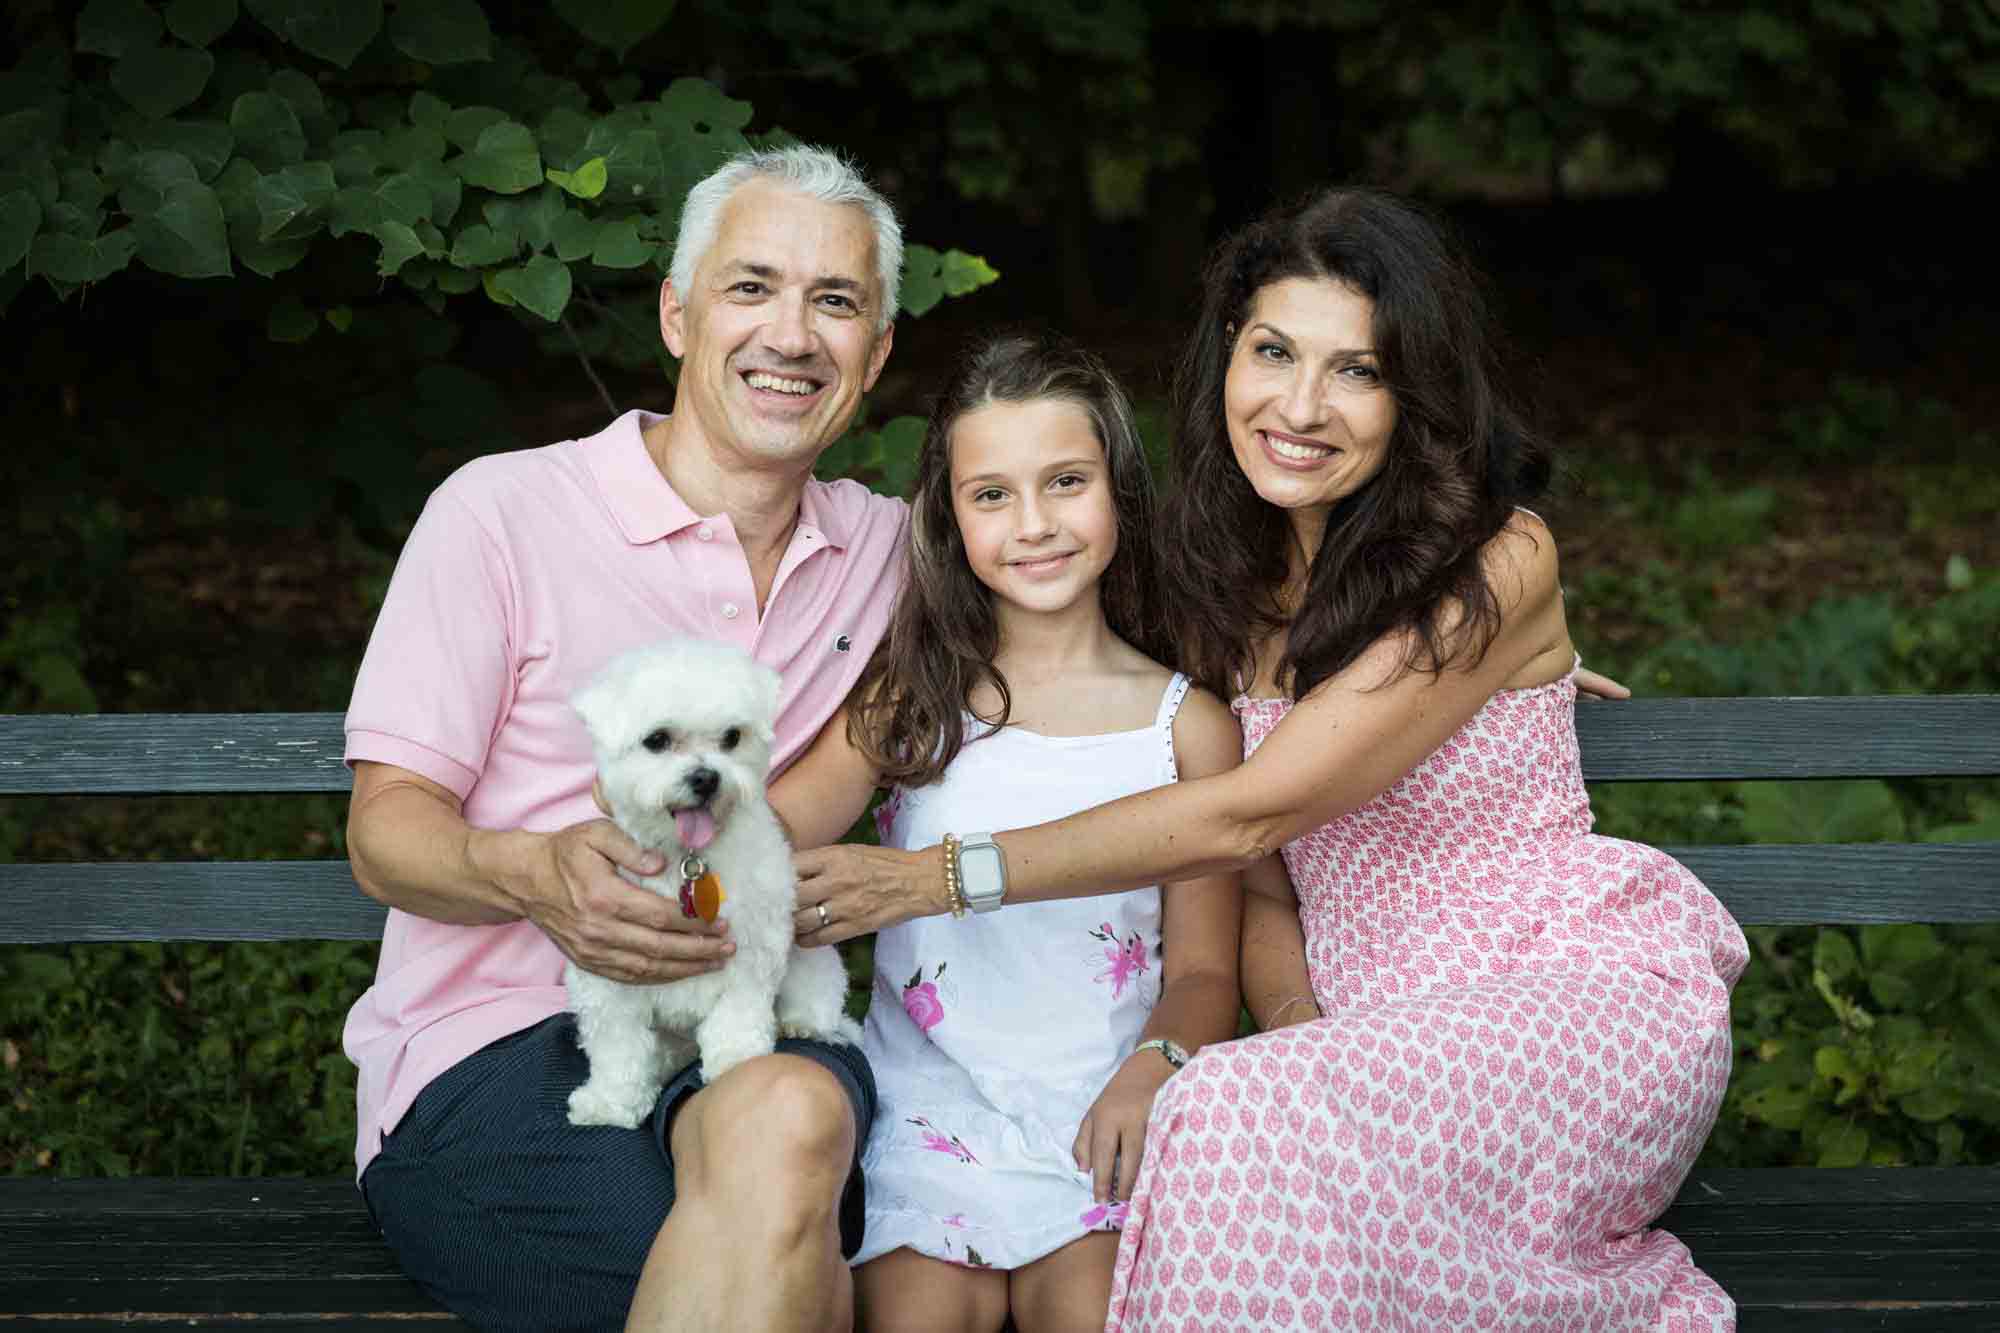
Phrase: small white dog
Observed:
(682, 734)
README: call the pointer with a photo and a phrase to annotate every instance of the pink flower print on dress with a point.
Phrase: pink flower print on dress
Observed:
(921, 1002)
(937, 1140)
(1126, 960)
(885, 814)
(1104, 1216)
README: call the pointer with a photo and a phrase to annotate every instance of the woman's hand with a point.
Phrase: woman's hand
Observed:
(851, 889)
(1112, 1138)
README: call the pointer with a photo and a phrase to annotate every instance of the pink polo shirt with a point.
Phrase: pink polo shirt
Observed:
(526, 572)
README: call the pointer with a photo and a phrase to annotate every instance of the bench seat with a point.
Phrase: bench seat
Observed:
(1900, 1248)
(1913, 1248)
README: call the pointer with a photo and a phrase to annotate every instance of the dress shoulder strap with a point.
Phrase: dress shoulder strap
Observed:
(1163, 723)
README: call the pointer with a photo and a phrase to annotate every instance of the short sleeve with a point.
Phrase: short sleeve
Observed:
(437, 679)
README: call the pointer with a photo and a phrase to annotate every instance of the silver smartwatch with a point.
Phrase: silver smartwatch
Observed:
(982, 871)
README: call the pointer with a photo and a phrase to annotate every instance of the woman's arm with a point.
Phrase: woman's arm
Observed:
(1277, 988)
(826, 789)
(1198, 995)
(1341, 746)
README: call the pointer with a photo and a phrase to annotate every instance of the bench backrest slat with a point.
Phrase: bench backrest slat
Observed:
(1638, 740)
(282, 900)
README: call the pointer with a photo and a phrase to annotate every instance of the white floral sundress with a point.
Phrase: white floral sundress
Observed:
(991, 1035)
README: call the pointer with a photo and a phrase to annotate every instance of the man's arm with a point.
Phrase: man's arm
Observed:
(412, 849)
(1277, 988)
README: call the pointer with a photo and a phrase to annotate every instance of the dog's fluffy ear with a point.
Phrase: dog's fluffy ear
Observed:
(595, 703)
(767, 686)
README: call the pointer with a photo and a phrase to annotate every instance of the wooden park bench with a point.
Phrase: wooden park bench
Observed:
(1901, 1248)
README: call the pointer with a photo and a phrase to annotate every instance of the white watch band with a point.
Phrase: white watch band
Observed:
(982, 872)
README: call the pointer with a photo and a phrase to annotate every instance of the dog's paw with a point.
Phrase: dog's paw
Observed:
(590, 1105)
(844, 1031)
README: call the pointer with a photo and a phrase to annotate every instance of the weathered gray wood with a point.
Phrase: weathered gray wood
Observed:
(149, 753)
(1806, 1235)
(1797, 1249)
(1640, 739)
(214, 1246)
(1891, 735)
(1784, 884)
(184, 900)
(1769, 885)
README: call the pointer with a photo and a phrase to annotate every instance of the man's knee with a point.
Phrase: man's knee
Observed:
(782, 1119)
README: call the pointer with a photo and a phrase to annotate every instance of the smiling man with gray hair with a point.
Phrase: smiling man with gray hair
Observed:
(732, 1205)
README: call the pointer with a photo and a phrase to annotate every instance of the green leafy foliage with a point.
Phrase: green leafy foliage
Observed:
(1879, 1045)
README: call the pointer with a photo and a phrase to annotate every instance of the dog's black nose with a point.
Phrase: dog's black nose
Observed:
(703, 782)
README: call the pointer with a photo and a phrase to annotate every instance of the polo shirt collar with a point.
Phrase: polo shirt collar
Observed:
(647, 508)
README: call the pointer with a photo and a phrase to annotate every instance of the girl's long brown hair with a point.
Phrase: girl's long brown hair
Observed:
(909, 714)
(1403, 552)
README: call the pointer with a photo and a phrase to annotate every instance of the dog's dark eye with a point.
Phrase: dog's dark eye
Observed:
(732, 738)
(657, 740)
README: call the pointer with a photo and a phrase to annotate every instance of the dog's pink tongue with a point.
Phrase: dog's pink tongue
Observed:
(696, 827)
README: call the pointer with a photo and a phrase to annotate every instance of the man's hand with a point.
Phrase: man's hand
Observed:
(571, 887)
(1591, 685)
(1112, 1138)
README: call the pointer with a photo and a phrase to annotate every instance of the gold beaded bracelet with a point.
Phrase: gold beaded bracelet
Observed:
(954, 897)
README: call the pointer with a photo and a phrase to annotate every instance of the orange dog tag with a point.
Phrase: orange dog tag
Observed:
(708, 896)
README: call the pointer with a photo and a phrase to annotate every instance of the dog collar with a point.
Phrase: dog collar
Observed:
(701, 892)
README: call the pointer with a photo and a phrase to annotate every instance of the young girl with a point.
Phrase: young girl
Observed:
(1018, 1052)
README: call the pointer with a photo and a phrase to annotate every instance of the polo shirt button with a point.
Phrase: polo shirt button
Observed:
(705, 533)
(729, 610)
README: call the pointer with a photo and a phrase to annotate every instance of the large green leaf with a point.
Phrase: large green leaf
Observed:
(430, 111)
(929, 276)
(207, 144)
(400, 198)
(479, 246)
(20, 216)
(399, 246)
(199, 22)
(574, 236)
(333, 30)
(541, 285)
(505, 160)
(441, 32)
(416, 146)
(464, 125)
(148, 176)
(586, 182)
(185, 236)
(308, 103)
(616, 24)
(618, 246)
(531, 217)
(291, 200)
(446, 190)
(116, 27)
(267, 130)
(76, 260)
(1858, 811)
(699, 105)
(160, 80)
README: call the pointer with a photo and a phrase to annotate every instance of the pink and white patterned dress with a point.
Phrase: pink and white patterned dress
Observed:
(1525, 1042)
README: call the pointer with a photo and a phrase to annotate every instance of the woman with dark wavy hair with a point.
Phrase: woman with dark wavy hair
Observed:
(1493, 1042)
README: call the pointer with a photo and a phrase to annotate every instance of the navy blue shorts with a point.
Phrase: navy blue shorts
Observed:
(514, 1218)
